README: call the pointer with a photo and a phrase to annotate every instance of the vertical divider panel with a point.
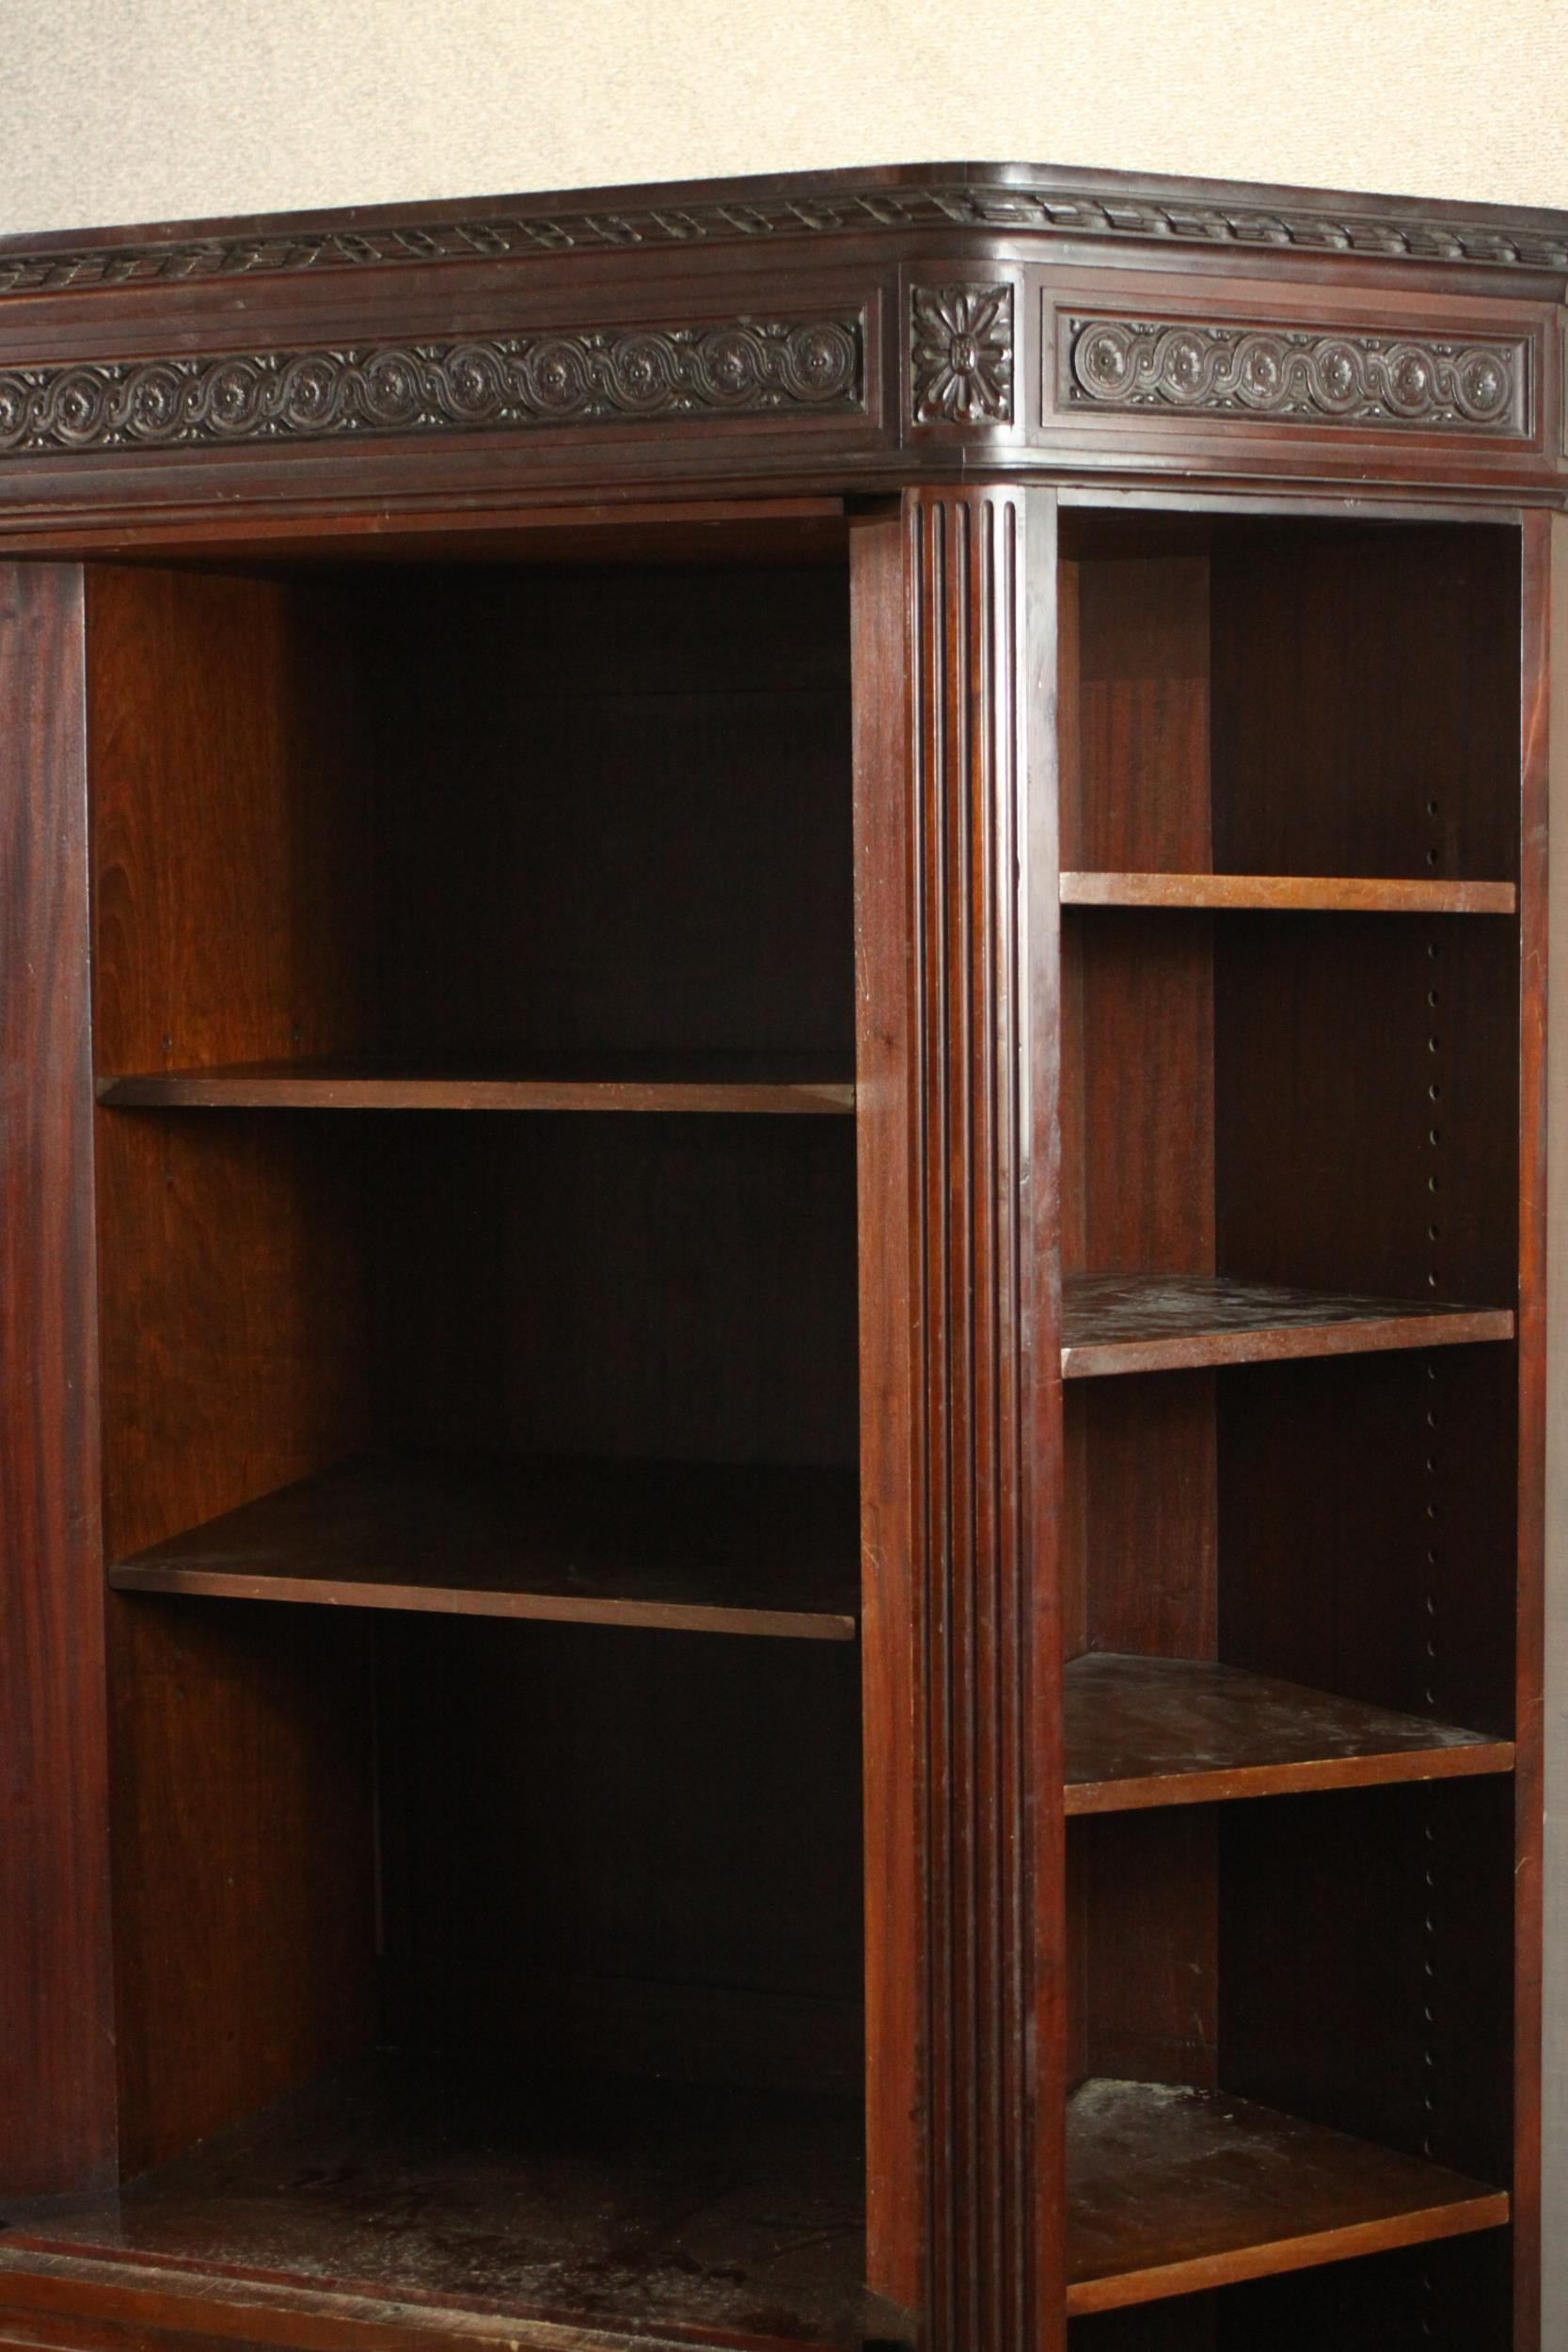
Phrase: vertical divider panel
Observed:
(956, 938)
(58, 2113)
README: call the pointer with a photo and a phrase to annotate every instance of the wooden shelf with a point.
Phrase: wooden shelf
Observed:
(673, 1545)
(1123, 1323)
(541, 1082)
(1172, 2190)
(1344, 894)
(713, 2214)
(1159, 1731)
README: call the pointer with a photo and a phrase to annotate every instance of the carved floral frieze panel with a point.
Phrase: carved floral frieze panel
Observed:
(499, 381)
(1304, 374)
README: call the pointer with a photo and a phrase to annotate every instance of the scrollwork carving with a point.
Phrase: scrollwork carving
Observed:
(1309, 374)
(503, 382)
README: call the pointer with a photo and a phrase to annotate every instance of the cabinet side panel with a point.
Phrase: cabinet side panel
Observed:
(1543, 1154)
(57, 2129)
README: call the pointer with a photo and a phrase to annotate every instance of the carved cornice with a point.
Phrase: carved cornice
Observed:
(1304, 374)
(961, 355)
(504, 382)
(1044, 209)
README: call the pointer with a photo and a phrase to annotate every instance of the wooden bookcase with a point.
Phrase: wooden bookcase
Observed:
(772, 1279)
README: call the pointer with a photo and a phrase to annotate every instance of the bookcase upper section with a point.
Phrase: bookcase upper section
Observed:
(841, 332)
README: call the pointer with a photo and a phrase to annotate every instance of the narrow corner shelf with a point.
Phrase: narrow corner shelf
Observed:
(703, 1548)
(1128, 1323)
(753, 1083)
(1334, 894)
(1173, 2190)
(1143, 1732)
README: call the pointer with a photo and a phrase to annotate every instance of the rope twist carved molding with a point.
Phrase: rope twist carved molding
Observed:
(1313, 374)
(595, 376)
(996, 205)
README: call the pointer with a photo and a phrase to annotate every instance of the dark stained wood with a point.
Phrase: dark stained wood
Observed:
(1174, 2190)
(958, 977)
(1342, 893)
(1134, 1323)
(1138, 1095)
(754, 1549)
(1367, 1960)
(791, 532)
(1366, 701)
(1144, 1523)
(230, 816)
(656, 850)
(1161, 1731)
(648, 1289)
(244, 1861)
(718, 2215)
(1135, 678)
(57, 2124)
(234, 1241)
(688, 1903)
(1543, 594)
(447, 742)
(892, 1594)
(1372, 1502)
(729, 1083)
(1143, 1917)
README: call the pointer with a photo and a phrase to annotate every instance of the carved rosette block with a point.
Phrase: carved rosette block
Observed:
(494, 383)
(961, 355)
(1306, 375)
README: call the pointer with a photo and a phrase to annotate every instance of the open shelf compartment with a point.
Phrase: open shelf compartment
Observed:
(1290, 2036)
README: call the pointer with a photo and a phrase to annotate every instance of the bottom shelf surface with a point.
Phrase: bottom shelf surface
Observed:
(676, 2212)
(1173, 2190)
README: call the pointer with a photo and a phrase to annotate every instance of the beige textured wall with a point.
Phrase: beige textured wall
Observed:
(125, 110)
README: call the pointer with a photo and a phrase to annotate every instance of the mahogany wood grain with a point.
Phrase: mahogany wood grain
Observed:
(58, 2116)
(709, 2216)
(1137, 679)
(621, 1848)
(888, 1148)
(1142, 1515)
(1138, 1095)
(1371, 1504)
(1340, 894)
(727, 1083)
(1544, 594)
(756, 1549)
(1540, 720)
(66, 2304)
(1174, 2190)
(1366, 701)
(1117, 1323)
(1161, 1731)
(231, 818)
(1366, 1958)
(244, 1861)
(452, 746)
(957, 865)
(235, 1241)
(1143, 1911)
